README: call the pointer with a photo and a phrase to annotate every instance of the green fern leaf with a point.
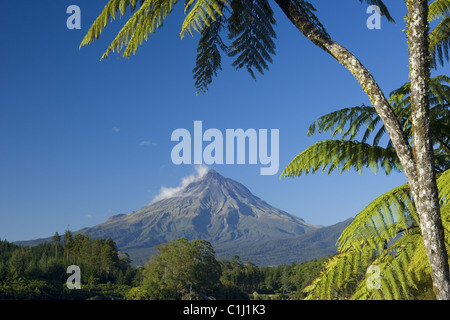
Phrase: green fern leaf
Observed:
(209, 59)
(343, 155)
(108, 14)
(201, 15)
(251, 29)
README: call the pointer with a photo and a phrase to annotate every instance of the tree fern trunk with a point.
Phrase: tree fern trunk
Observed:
(423, 186)
(368, 83)
(427, 203)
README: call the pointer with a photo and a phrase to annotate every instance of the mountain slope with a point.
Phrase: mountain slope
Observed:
(305, 247)
(211, 207)
(222, 211)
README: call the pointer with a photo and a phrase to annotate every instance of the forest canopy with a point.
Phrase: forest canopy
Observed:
(180, 269)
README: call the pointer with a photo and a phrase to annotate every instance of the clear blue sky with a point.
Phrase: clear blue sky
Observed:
(81, 140)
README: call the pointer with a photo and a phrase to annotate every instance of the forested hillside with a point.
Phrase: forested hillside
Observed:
(181, 269)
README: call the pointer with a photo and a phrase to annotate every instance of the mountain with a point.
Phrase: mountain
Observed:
(210, 207)
(308, 246)
(220, 210)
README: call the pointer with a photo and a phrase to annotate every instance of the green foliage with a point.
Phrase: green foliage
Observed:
(439, 38)
(145, 20)
(386, 234)
(39, 272)
(201, 15)
(243, 277)
(209, 59)
(250, 29)
(384, 10)
(349, 153)
(180, 270)
(343, 155)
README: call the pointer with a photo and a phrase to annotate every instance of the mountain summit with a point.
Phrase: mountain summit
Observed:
(208, 206)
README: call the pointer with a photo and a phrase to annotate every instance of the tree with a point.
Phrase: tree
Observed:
(250, 29)
(56, 240)
(348, 153)
(68, 243)
(426, 194)
(386, 233)
(181, 270)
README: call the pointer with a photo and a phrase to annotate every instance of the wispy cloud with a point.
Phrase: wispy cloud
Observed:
(115, 129)
(166, 193)
(147, 143)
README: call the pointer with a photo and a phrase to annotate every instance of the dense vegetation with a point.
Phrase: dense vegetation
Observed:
(387, 233)
(39, 272)
(180, 270)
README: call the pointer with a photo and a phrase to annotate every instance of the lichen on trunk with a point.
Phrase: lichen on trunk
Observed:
(427, 201)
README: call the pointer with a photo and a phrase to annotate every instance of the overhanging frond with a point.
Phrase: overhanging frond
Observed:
(201, 15)
(209, 59)
(251, 29)
(381, 221)
(386, 234)
(438, 9)
(384, 10)
(145, 21)
(108, 14)
(439, 42)
(343, 155)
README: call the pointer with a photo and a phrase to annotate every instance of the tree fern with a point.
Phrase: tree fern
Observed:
(386, 234)
(439, 39)
(347, 153)
(380, 221)
(250, 28)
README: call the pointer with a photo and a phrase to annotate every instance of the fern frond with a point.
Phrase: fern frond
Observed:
(386, 234)
(201, 15)
(209, 59)
(251, 29)
(343, 155)
(351, 118)
(438, 9)
(439, 37)
(439, 42)
(146, 20)
(443, 184)
(339, 277)
(384, 10)
(381, 221)
(308, 11)
(403, 270)
(108, 14)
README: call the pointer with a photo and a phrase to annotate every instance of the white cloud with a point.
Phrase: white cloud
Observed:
(147, 143)
(115, 129)
(165, 193)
